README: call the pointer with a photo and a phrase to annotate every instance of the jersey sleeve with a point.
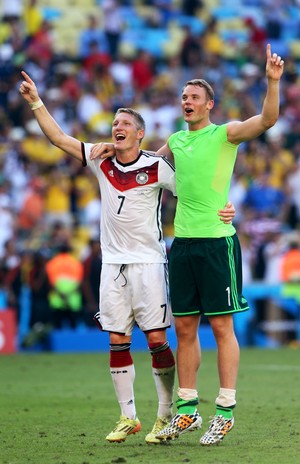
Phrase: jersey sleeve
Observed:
(167, 175)
(86, 160)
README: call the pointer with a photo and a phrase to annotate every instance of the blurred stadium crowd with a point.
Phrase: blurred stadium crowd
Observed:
(89, 57)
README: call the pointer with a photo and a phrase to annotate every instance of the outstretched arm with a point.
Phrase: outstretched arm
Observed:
(104, 150)
(238, 132)
(46, 122)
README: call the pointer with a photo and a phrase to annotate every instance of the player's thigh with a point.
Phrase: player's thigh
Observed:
(220, 276)
(149, 284)
(116, 313)
(183, 289)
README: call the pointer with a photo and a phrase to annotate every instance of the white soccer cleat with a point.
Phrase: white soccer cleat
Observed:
(218, 428)
(180, 424)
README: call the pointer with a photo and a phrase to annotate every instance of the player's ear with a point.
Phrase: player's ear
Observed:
(140, 134)
(210, 104)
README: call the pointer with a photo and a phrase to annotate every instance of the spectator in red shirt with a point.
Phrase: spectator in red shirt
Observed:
(143, 70)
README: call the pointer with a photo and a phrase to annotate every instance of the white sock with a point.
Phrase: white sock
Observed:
(164, 382)
(187, 393)
(123, 380)
(226, 397)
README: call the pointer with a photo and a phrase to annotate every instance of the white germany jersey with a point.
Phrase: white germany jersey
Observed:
(131, 194)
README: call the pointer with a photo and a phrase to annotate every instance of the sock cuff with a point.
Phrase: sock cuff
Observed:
(226, 398)
(158, 347)
(228, 408)
(227, 392)
(187, 393)
(119, 346)
(162, 355)
(180, 402)
(120, 355)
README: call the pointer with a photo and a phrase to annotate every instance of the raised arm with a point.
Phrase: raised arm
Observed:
(46, 122)
(238, 132)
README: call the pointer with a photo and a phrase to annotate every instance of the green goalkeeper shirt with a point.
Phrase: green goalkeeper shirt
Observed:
(204, 162)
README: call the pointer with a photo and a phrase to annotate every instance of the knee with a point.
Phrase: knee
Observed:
(118, 339)
(158, 336)
(186, 328)
(222, 326)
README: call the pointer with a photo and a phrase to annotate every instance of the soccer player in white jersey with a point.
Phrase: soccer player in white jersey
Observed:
(133, 285)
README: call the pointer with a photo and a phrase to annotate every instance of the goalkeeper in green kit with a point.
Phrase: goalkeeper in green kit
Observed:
(205, 257)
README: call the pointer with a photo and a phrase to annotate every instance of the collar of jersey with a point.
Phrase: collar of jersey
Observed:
(130, 162)
(202, 131)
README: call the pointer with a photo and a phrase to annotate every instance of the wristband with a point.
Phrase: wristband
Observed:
(35, 105)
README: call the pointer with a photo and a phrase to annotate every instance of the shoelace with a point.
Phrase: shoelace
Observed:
(216, 423)
(158, 424)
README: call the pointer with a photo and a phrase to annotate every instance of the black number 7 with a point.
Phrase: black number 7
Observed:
(122, 198)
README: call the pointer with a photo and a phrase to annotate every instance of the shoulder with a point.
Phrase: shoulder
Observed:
(218, 131)
(86, 156)
(161, 160)
(177, 135)
(148, 154)
(177, 139)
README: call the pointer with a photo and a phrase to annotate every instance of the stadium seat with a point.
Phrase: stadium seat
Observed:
(223, 12)
(50, 13)
(132, 19)
(290, 29)
(151, 40)
(294, 47)
(281, 47)
(196, 25)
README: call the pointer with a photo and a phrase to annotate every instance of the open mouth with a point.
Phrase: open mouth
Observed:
(120, 137)
(188, 111)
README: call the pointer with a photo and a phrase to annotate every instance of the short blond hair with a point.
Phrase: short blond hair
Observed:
(201, 83)
(140, 123)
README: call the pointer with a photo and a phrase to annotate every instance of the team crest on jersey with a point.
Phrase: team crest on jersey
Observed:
(111, 173)
(142, 178)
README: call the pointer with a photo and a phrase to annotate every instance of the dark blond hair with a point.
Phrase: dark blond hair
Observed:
(140, 123)
(201, 83)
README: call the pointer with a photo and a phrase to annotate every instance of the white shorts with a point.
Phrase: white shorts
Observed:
(134, 293)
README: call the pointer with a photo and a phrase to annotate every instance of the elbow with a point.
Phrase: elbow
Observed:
(55, 142)
(270, 121)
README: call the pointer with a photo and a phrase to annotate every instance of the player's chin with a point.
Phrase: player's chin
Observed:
(188, 117)
(120, 146)
(118, 143)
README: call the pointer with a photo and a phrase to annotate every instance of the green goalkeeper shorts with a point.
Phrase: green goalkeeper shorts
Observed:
(206, 276)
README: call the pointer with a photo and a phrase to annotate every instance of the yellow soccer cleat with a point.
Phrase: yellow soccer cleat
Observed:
(124, 428)
(160, 424)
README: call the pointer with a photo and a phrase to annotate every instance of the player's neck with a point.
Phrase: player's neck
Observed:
(127, 156)
(199, 125)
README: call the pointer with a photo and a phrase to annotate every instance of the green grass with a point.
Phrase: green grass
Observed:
(57, 409)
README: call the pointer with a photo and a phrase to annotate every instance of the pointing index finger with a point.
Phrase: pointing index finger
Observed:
(26, 77)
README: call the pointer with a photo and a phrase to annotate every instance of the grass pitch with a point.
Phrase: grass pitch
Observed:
(57, 409)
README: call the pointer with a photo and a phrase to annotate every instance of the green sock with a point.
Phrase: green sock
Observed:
(187, 406)
(227, 413)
